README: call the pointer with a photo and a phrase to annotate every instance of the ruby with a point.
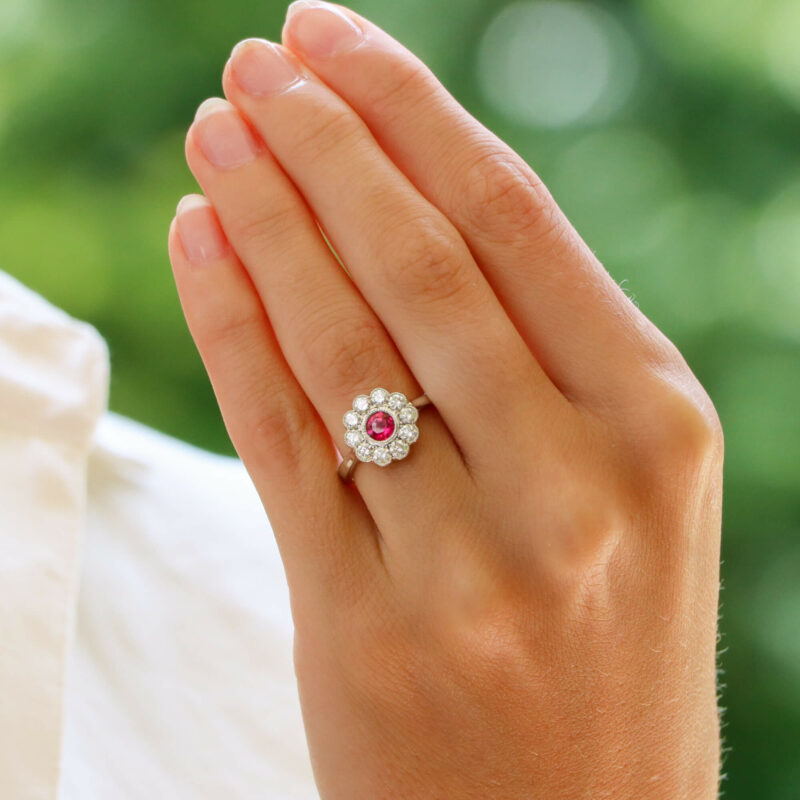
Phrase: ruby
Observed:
(379, 426)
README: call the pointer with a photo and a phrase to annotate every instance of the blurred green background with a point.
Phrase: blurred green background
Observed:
(667, 129)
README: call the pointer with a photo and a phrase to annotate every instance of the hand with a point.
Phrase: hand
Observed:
(525, 606)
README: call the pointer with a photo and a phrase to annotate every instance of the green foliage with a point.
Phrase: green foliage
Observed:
(683, 174)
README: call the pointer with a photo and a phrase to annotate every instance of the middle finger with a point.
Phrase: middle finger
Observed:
(407, 258)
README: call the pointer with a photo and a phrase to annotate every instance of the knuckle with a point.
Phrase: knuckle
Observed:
(490, 635)
(345, 348)
(259, 227)
(410, 84)
(224, 331)
(688, 428)
(432, 268)
(496, 648)
(682, 429)
(280, 430)
(266, 427)
(593, 518)
(327, 131)
(583, 528)
(507, 200)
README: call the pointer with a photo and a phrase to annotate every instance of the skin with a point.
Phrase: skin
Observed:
(525, 606)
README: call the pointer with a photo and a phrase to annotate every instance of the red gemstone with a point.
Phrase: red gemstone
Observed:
(380, 426)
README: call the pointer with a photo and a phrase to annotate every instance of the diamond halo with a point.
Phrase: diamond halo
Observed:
(380, 427)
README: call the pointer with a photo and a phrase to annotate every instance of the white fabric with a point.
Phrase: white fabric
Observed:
(146, 570)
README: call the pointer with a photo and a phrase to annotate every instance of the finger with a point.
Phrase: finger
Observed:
(407, 259)
(583, 329)
(334, 344)
(323, 534)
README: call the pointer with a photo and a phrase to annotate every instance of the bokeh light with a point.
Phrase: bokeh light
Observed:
(18, 21)
(716, 35)
(777, 257)
(555, 62)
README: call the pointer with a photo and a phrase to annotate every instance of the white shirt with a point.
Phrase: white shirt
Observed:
(145, 630)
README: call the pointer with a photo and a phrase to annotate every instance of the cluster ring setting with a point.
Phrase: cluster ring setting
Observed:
(380, 427)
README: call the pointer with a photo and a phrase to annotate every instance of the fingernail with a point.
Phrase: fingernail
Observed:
(259, 67)
(199, 230)
(222, 134)
(209, 106)
(320, 29)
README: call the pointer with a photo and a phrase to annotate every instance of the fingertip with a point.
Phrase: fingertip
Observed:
(189, 144)
(173, 242)
(321, 30)
(228, 82)
(210, 106)
(199, 231)
(190, 201)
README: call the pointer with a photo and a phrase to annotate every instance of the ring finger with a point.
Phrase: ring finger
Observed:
(331, 339)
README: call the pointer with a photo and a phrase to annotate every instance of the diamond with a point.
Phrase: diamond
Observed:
(397, 400)
(409, 433)
(364, 452)
(381, 456)
(379, 426)
(350, 419)
(408, 414)
(353, 438)
(398, 448)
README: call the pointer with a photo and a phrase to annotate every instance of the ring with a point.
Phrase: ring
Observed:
(380, 427)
